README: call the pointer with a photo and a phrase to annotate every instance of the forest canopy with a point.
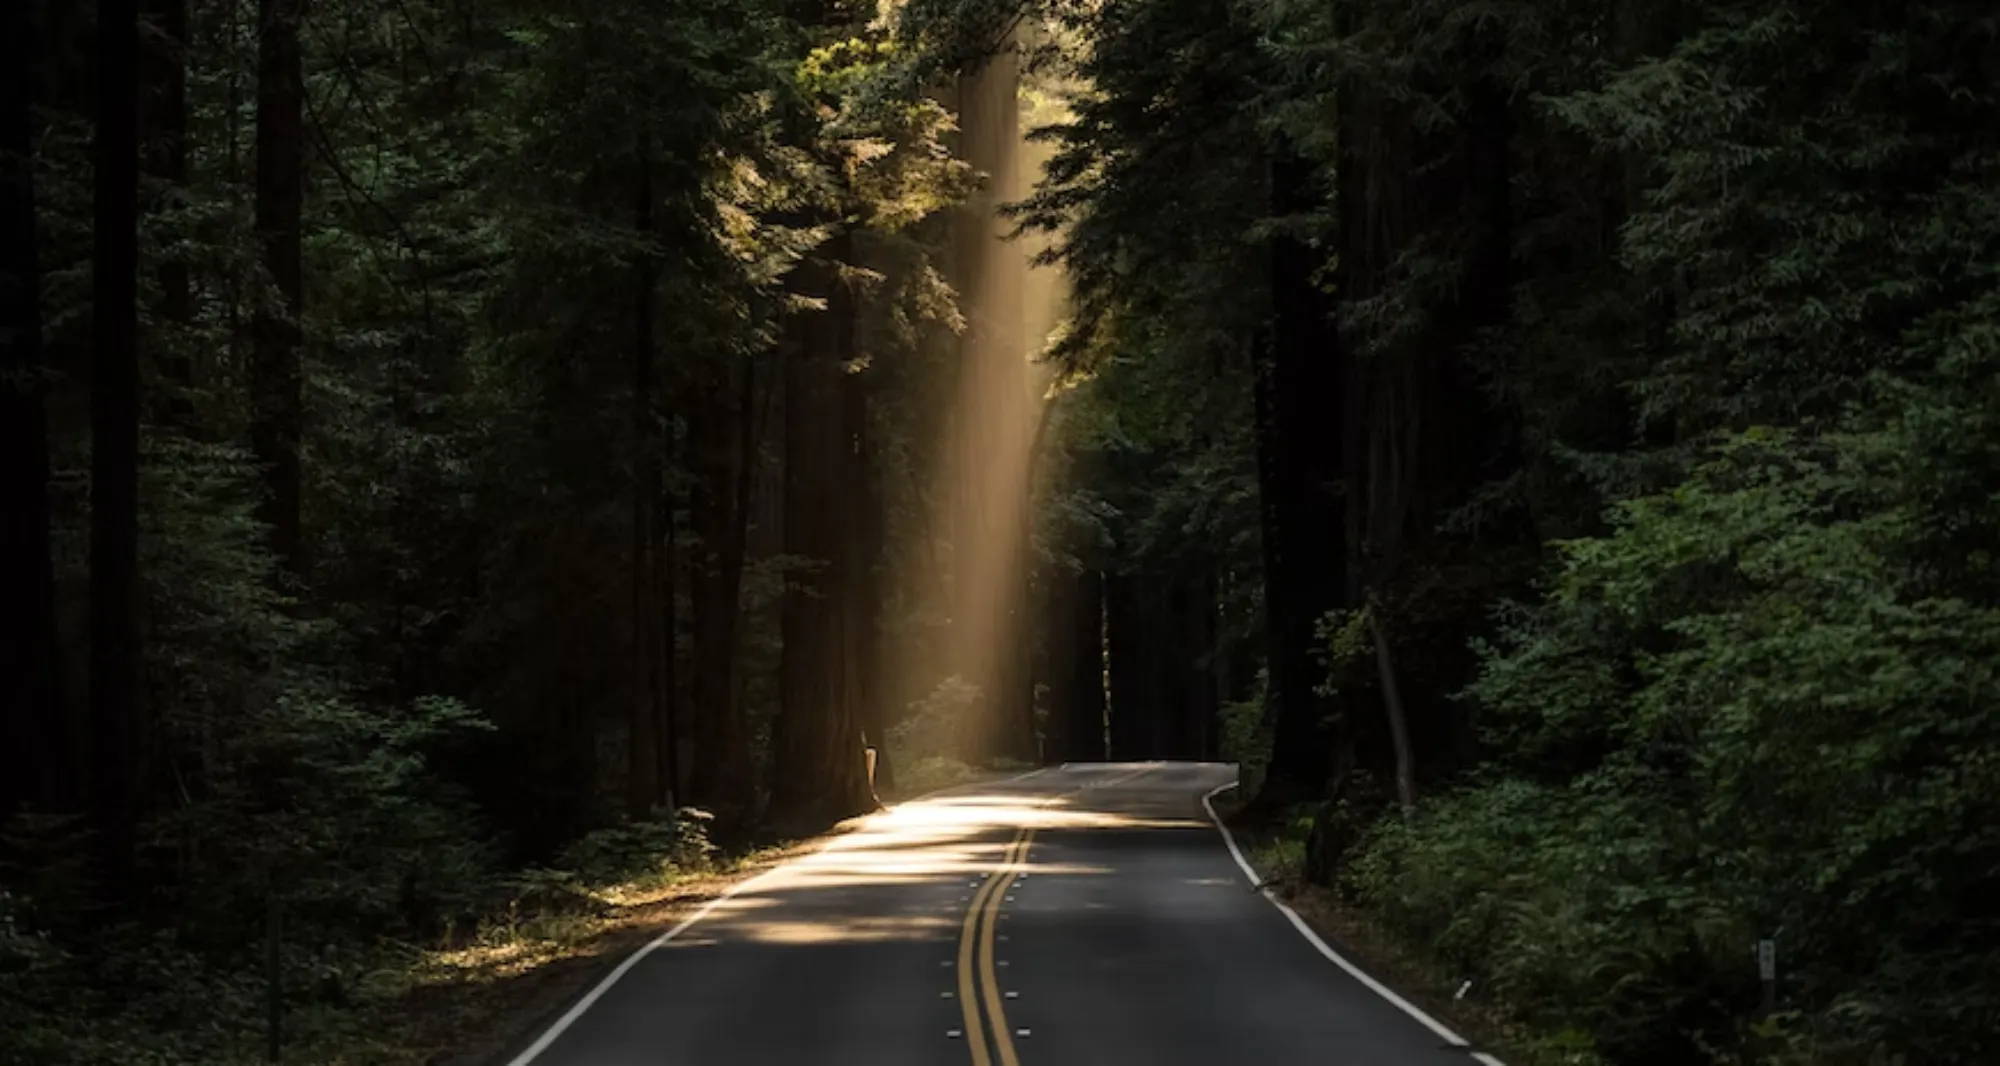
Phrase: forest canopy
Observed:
(458, 456)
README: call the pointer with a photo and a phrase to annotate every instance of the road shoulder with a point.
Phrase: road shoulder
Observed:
(1403, 969)
(494, 1011)
(482, 1007)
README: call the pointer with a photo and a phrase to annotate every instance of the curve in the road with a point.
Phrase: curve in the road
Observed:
(1319, 943)
(1134, 944)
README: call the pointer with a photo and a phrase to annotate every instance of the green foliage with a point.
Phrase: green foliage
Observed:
(1346, 645)
(1768, 656)
(1281, 855)
(1759, 707)
(935, 725)
(932, 772)
(403, 739)
(1714, 287)
(331, 807)
(1743, 351)
(639, 850)
(1564, 904)
(562, 902)
(1246, 735)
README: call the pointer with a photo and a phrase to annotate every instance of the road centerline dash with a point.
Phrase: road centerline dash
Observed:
(968, 971)
(996, 1010)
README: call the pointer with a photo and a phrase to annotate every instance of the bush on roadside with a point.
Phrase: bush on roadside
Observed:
(933, 772)
(1245, 730)
(1759, 708)
(935, 725)
(641, 850)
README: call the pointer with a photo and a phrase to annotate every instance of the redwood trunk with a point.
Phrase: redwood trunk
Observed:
(820, 775)
(864, 578)
(1299, 403)
(164, 159)
(275, 331)
(1081, 631)
(642, 777)
(723, 441)
(33, 729)
(114, 449)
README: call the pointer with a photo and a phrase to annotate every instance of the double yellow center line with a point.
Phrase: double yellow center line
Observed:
(977, 978)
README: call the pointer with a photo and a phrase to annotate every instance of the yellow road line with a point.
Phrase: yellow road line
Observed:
(968, 995)
(975, 943)
(1003, 1037)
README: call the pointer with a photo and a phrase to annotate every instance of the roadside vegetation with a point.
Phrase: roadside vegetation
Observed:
(474, 471)
(1632, 371)
(360, 988)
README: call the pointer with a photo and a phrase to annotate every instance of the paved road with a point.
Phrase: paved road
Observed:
(1088, 915)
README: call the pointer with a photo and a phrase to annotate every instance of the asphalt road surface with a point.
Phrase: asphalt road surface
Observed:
(1087, 915)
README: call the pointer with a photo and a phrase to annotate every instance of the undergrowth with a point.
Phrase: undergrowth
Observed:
(72, 994)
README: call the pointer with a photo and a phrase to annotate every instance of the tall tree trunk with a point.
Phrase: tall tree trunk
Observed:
(670, 695)
(1392, 705)
(723, 431)
(1137, 632)
(1065, 645)
(1299, 403)
(1073, 638)
(642, 782)
(37, 764)
(114, 448)
(1083, 631)
(275, 375)
(1037, 745)
(1193, 655)
(863, 560)
(1488, 298)
(818, 767)
(163, 159)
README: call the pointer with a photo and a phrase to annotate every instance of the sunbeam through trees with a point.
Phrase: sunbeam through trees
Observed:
(486, 486)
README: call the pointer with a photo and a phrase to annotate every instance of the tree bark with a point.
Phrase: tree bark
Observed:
(642, 781)
(114, 450)
(1299, 382)
(667, 582)
(1086, 674)
(1136, 632)
(1073, 665)
(164, 161)
(820, 776)
(1392, 704)
(1194, 658)
(33, 729)
(275, 375)
(864, 557)
(722, 428)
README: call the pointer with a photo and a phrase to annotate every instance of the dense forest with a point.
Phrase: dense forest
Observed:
(454, 451)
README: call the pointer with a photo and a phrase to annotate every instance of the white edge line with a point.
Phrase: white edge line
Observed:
(1298, 923)
(576, 1010)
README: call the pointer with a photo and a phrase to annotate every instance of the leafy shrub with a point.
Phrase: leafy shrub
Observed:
(933, 772)
(641, 850)
(1759, 707)
(936, 725)
(1245, 738)
(328, 804)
